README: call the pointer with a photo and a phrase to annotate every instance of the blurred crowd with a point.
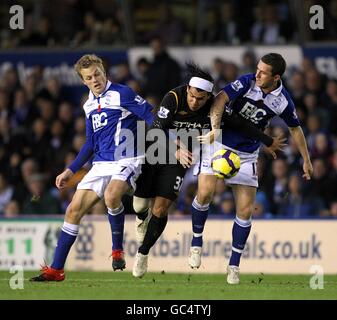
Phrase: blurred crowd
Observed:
(41, 132)
(78, 23)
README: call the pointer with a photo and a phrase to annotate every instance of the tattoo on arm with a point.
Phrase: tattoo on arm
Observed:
(217, 109)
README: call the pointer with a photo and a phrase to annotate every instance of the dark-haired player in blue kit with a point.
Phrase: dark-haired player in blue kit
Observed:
(110, 109)
(258, 98)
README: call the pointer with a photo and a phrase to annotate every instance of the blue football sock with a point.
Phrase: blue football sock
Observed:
(116, 219)
(199, 217)
(66, 239)
(240, 233)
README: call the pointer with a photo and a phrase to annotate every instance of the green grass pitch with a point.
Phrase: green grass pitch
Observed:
(193, 286)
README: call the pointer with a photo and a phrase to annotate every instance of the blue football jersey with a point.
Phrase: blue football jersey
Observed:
(251, 103)
(116, 109)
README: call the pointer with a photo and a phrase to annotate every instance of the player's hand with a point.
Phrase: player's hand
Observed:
(277, 145)
(308, 170)
(62, 179)
(210, 137)
(185, 157)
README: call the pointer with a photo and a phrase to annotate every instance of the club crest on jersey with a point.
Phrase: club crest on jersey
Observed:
(99, 121)
(237, 85)
(276, 102)
(163, 112)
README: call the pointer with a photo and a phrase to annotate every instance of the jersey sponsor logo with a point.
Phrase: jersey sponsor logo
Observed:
(253, 113)
(237, 85)
(190, 125)
(163, 112)
(99, 121)
(139, 99)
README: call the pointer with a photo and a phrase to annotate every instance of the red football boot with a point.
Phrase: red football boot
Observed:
(118, 261)
(49, 274)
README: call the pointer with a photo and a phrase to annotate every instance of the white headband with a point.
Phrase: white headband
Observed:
(201, 83)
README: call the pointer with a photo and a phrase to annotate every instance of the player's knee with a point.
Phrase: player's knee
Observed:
(140, 204)
(74, 213)
(112, 199)
(245, 212)
(160, 211)
(204, 197)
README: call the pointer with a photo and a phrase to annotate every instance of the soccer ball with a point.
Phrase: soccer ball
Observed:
(225, 164)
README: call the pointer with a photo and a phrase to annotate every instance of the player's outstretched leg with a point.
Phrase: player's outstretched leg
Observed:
(116, 219)
(66, 239)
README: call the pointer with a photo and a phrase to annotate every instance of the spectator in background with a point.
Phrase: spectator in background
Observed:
(31, 88)
(333, 209)
(42, 36)
(296, 204)
(143, 66)
(227, 205)
(314, 83)
(184, 203)
(110, 33)
(164, 72)
(6, 192)
(52, 91)
(40, 143)
(121, 73)
(39, 200)
(230, 72)
(4, 104)
(322, 183)
(12, 209)
(248, 62)
(312, 106)
(28, 168)
(268, 29)
(89, 33)
(23, 112)
(322, 148)
(218, 67)
(330, 102)
(277, 189)
(313, 127)
(297, 86)
(293, 155)
(262, 206)
(10, 81)
(211, 33)
(169, 27)
(232, 31)
(66, 115)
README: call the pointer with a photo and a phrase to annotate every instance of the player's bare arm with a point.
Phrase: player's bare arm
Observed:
(298, 136)
(62, 179)
(216, 113)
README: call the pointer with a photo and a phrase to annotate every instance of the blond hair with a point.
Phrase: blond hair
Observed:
(87, 61)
